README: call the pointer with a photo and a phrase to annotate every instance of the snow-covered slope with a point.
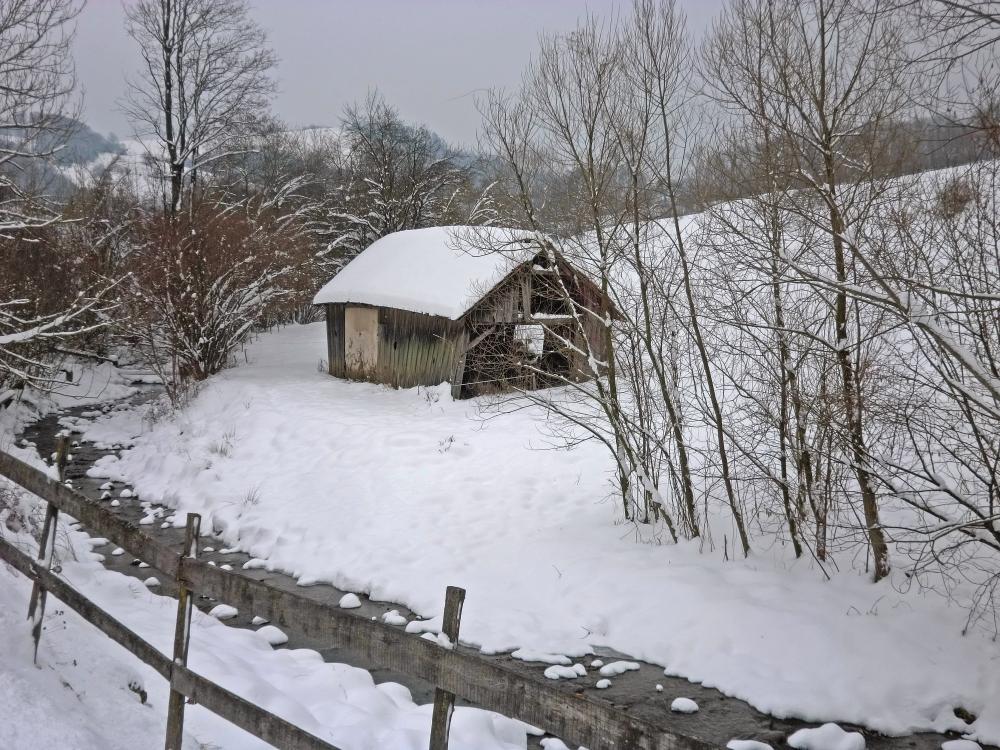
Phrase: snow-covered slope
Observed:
(400, 493)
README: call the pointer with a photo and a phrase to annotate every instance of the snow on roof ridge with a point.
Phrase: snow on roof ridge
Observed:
(439, 271)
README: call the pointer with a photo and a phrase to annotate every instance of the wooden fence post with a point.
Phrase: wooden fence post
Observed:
(47, 548)
(182, 634)
(444, 702)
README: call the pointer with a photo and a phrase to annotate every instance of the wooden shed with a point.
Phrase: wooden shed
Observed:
(486, 309)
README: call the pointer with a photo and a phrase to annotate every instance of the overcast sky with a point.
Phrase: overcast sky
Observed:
(428, 57)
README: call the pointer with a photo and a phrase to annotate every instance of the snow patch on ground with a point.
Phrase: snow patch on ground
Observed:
(349, 601)
(272, 635)
(559, 672)
(526, 654)
(827, 737)
(960, 745)
(618, 667)
(223, 612)
(747, 745)
(684, 706)
(394, 618)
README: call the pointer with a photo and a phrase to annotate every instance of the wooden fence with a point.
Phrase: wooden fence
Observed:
(575, 718)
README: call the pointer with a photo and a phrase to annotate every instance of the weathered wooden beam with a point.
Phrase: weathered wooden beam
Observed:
(91, 514)
(576, 719)
(45, 543)
(50, 523)
(444, 701)
(261, 723)
(93, 614)
(480, 338)
(552, 320)
(182, 637)
(47, 549)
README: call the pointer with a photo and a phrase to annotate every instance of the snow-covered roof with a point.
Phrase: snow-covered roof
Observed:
(438, 271)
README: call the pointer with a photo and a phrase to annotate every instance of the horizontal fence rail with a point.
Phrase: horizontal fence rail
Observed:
(218, 700)
(576, 719)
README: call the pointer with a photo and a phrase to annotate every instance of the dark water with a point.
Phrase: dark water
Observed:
(719, 719)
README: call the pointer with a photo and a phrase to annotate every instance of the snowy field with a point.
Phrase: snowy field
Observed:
(397, 494)
(88, 693)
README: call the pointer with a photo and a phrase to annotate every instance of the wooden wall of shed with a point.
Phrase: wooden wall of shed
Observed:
(337, 364)
(590, 297)
(507, 303)
(511, 302)
(413, 349)
(416, 349)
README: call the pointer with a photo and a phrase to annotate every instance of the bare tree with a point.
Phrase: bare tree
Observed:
(597, 112)
(391, 176)
(957, 29)
(818, 353)
(37, 79)
(831, 84)
(204, 84)
(560, 117)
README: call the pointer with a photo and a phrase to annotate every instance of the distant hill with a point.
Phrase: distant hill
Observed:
(84, 145)
(75, 142)
(75, 147)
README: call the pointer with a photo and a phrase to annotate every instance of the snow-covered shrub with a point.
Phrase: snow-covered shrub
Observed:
(250, 499)
(48, 291)
(177, 396)
(201, 282)
(224, 446)
(17, 514)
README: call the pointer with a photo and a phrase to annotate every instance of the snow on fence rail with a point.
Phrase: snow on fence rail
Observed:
(575, 718)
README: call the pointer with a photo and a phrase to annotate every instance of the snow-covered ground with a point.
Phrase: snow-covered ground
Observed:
(397, 494)
(85, 692)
